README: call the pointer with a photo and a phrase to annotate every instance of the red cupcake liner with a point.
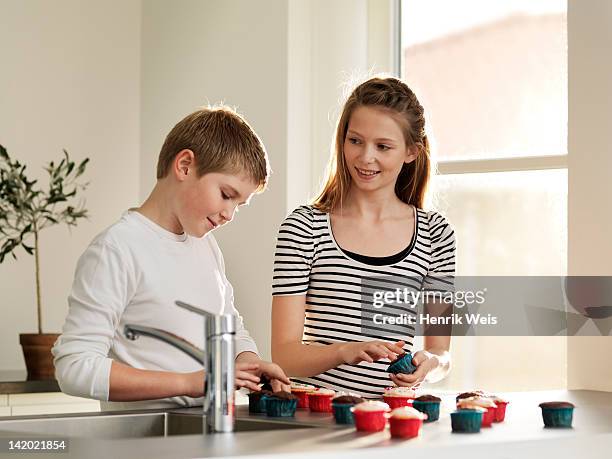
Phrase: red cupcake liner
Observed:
(370, 421)
(405, 428)
(500, 411)
(320, 403)
(397, 402)
(302, 396)
(487, 417)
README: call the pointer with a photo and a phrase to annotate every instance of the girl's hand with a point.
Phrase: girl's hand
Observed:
(369, 351)
(425, 362)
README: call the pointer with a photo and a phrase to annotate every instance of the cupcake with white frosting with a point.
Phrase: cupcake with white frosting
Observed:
(397, 397)
(406, 422)
(320, 400)
(301, 391)
(370, 416)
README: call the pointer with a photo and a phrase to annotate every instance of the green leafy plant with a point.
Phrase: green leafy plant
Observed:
(25, 210)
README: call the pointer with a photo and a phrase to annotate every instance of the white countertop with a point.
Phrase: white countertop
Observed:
(522, 434)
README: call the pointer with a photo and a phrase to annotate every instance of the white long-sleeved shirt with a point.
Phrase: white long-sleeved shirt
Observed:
(132, 273)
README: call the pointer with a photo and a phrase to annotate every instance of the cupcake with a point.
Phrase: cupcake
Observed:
(397, 397)
(557, 414)
(480, 402)
(402, 364)
(370, 416)
(475, 393)
(257, 401)
(320, 400)
(405, 422)
(500, 411)
(342, 405)
(428, 404)
(467, 420)
(281, 404)
(301, 392)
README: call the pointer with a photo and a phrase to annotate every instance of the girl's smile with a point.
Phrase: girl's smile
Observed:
(366, 174)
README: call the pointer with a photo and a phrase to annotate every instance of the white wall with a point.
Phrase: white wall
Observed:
(590, 174)
(327, 47)
(300, 81)
(69, 78)
(331, 45)
(339, 56)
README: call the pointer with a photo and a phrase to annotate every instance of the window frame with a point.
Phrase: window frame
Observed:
(470, 166)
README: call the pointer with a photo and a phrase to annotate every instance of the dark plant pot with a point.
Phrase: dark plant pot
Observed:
(37, 354)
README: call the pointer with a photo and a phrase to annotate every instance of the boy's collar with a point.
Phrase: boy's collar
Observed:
(159, 230)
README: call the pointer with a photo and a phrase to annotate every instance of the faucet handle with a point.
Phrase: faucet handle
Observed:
(216, 324)
(133, 331)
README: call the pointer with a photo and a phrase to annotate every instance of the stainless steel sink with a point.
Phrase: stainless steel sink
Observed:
(133, 425)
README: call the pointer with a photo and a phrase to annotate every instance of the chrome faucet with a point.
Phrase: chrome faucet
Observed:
(217, 358)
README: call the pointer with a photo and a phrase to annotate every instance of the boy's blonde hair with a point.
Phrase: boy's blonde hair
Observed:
(221, 140)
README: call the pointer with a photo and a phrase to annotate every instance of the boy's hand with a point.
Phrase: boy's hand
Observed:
(246, 375)
(369, 351)
(276, 375)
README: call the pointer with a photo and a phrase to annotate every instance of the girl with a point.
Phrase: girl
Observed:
(366, 222)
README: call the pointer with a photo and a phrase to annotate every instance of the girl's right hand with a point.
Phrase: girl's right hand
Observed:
(369, 351)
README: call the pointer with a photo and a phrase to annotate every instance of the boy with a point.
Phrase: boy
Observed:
(211, 162)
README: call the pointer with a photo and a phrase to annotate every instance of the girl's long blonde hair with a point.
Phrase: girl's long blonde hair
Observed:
(398, 99)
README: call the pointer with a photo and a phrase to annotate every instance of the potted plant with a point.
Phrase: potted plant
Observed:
(25, 210)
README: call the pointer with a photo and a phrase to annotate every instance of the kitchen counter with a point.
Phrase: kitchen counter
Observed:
(16, 382)
(522, 433)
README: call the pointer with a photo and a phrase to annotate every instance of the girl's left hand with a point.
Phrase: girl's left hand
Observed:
(425, 362)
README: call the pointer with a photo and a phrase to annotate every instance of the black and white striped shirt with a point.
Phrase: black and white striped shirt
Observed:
(309, 262)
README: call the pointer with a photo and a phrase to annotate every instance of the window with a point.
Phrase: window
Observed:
(492, 77)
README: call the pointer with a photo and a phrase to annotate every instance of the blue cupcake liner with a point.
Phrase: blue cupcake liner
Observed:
(557, 417)
(466, 421)
(343, 413)
(280, 408)
(257, 406)
(403, 365)
(431, 409)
